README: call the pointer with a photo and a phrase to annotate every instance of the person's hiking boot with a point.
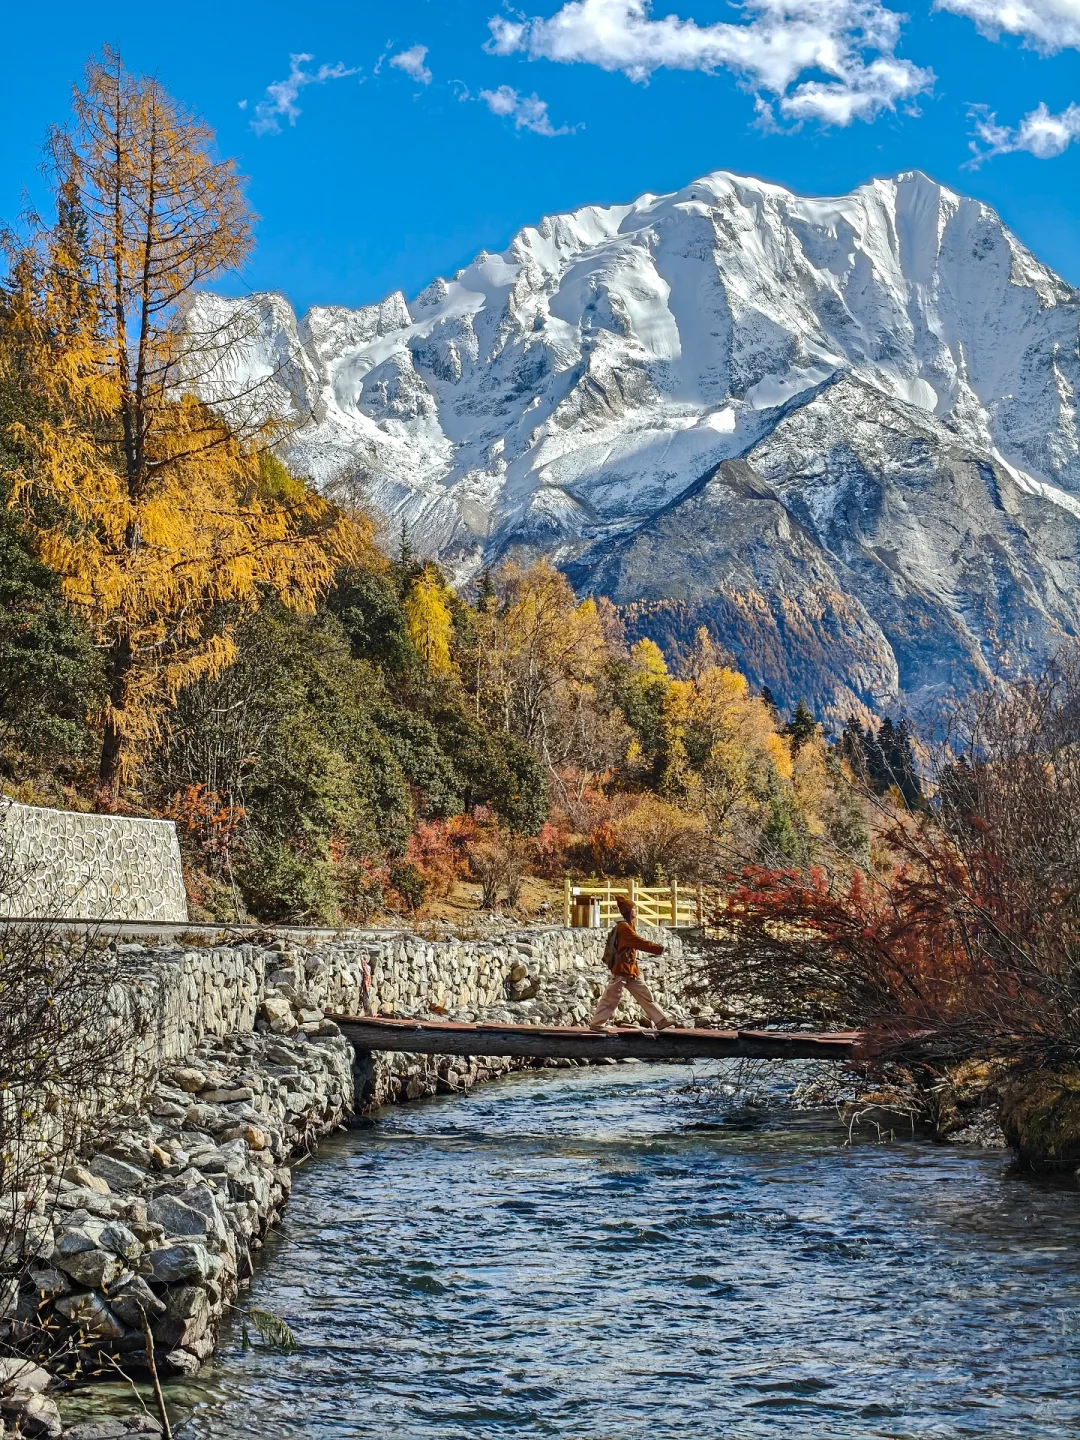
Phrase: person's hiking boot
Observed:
(604, 1029)
(664, 1024)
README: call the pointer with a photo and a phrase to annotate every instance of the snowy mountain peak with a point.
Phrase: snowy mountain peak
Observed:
(566, 392)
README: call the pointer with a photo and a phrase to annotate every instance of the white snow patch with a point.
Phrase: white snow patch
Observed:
(915, 391)
(722, 421)
(773, 390)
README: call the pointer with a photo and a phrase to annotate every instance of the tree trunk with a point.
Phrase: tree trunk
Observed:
(112, 741)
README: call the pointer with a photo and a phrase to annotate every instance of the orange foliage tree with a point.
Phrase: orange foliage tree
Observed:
(158, 513)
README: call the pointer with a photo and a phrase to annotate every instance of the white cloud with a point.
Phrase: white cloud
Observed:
(280, 100)
(851, 41)
(528, 112)
(1044, 24)
(1040, 133)
(412, 62)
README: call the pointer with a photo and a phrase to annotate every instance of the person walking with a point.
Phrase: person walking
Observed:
(625, 974)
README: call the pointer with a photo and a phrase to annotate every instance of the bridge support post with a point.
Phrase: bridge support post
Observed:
(363, 1077)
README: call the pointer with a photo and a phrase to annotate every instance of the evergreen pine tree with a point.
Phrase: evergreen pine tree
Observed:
(486, 597)
(877, 748)
(802, 726)
(405, 567)
(50, 676)
(852, 746)
(902, 762)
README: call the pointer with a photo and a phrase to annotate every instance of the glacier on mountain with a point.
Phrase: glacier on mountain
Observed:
(874, 395)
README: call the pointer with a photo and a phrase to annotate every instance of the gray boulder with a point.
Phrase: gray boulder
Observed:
(91, 1314)
(177, 1218)
(120, 1240)
(33, 1413)
(119, 1174)
(114, 1429)
(22, 1375)
(182, 1362)
(187, 1319)
(49, 1282)
(103, 1206)
(185, 1261)
(201, 1200)
(80, 1254)
(131, 1299)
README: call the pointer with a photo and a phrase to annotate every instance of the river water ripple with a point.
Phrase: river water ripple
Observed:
(589, 1254)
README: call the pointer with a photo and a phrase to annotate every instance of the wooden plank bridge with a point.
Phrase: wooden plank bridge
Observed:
(445, 1037)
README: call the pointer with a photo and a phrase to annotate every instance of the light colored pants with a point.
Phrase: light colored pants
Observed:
(614, 993)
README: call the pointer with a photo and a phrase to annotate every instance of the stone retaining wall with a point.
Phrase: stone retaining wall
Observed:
(88, 867)
(190, 993)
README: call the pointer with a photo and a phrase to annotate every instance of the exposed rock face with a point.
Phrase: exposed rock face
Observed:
(860, 552)
(860, 411)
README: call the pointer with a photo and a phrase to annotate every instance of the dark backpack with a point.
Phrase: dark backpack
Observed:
(610, 951)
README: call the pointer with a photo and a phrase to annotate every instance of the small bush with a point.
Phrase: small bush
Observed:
(284, 883)
(408, 885)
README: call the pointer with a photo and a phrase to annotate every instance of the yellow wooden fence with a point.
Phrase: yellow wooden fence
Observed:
(593, 903)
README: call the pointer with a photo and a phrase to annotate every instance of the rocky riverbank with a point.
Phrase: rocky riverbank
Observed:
(161, 1224)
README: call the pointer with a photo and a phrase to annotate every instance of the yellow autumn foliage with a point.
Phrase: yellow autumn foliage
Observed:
(164, 519)
(723, 748)
(429, 622)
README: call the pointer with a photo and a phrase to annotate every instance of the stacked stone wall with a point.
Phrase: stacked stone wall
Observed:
(189, 993)
(61, 863)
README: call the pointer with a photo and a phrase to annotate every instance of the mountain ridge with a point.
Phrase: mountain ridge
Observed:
(570, 392)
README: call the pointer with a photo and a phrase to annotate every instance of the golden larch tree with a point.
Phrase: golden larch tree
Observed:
(163, 517)
(429, 622)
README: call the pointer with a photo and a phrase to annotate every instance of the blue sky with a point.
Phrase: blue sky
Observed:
(420, 132)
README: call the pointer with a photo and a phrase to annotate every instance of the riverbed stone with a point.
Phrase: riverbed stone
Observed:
(114, 1429)
(90, 1312)
(34, 1414)
(182, 1362)
(19, 1374)
(130, 1300)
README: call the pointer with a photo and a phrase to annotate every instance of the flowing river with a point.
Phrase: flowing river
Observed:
(595, 1254)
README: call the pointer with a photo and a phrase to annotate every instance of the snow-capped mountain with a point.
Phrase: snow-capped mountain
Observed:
(840, 432)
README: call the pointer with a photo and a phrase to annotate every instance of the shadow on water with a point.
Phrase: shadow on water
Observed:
(593, 1255)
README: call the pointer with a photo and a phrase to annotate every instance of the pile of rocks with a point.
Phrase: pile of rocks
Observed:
(26, 1405)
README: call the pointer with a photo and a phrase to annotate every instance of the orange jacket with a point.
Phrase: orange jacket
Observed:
(627, 941)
